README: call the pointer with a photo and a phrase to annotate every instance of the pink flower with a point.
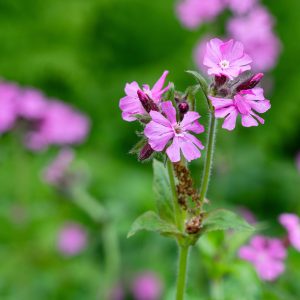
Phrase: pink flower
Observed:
(193, 13)
(261, 44)
(163, 129)
(241, 7)
(72, 239)
(60, 125)
(147, 287)
(56, 171)
(226, 58)
(244, 103)
(291, 223)
(267, 256)
(131, 104)
(8, 113)
(32, 104)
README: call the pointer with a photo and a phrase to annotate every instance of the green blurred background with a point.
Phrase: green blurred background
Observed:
(83, 52)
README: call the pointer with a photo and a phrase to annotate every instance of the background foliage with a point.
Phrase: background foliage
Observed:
(83, 52)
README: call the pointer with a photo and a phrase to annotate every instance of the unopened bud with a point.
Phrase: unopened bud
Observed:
(220, 80)
(250, 83)
(183, 107)
(146, 152)
(147, 103)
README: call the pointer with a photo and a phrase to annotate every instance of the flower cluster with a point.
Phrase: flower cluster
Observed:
(166, 127)
(44, 121)
(261, 44)
(268, 254)
(234, 87)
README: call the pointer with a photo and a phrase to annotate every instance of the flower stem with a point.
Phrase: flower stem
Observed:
(179, 219)
(182, 271)
(209, 156)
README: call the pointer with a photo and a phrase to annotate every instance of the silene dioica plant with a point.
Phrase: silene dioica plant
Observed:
(170, 122)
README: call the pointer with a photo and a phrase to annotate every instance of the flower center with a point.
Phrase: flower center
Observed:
(178, 129)
(224, 64)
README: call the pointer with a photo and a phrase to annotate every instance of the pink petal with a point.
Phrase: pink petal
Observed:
(226, 50)
(194, 140)
(189, 118)
(158, 135)
(229, 122)
(260, 106)
(131, 89)
(173, 151)
(248, 121)
(223, 112)
(289, 221)
(247, 253)
(220, 102)
(189, 150)
(159, 118)
(159, 84)
(169, 110)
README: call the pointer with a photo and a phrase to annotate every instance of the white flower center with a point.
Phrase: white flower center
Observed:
(178, 130)
(224, 64)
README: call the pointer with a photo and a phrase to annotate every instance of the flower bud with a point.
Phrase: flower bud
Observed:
(147, 103)
(220, 80)
(250, 83)
(183, 107)
(146, 152)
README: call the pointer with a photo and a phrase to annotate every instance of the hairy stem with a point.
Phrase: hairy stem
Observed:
(182, 272)
(179, 218)
(209, 157)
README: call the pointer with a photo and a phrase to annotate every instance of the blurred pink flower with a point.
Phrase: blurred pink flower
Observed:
(226, 58)
(31, 104)
(8, 113)
(261, 44)
(199, 53)
(72, 239)
(267, 256)
(147, 286)
(56, 171)
(241, 6)
(291, 223)
(60, 125)
(192, 13)
(160, 130)
(244, 103)
(117, 293)
(131, 104)
(247, 214)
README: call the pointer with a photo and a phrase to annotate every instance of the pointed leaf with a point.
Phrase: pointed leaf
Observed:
(162, 192)
(223, 219)
(200, 79)
(150, 221)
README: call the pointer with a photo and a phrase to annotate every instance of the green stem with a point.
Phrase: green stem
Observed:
(178, 212)
(209, 156)
(112, 256)
(217, 289)
(90, 205)
(182, 272)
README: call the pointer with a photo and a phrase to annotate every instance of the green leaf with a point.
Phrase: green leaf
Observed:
(222, 219)
(170, 94)
(200, 79)
(150, 221)
(162, 192)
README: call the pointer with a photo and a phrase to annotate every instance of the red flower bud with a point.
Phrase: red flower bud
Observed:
(146, 152)
(250, 83)
(147, 102)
